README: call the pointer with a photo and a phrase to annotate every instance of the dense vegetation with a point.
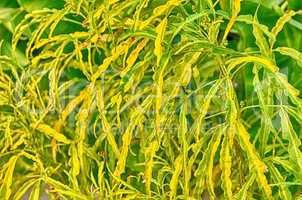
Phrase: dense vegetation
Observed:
(150, 99)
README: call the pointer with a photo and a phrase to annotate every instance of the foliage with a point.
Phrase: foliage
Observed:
(159, 99)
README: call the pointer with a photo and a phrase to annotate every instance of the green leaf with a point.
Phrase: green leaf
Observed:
(8, 4)
(32, 5)
(294, 4)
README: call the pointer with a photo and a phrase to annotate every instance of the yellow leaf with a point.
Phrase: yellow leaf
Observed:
(159, 95)
(160, 10)
(75, 102)
(226, 165)
(210, 162)
(35, 193)
(187, 69)
(178, 163)
(293, 53)
(46, 129)
(160, 30)
(232, 63)
(258, 166)
(150, 152)
(124, 152)
(235, 12)
(289, 88)
(136, 118)
(280, 24)
(133, 56)
(105, 124)
(116, 52)
(24, 188)
(5, 190)
(75, 161)
(117, 100)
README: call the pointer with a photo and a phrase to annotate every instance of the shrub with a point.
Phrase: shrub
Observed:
(138, 99)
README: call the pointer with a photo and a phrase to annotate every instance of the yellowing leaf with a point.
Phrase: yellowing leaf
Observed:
(232, 63)
(280, 24)
(75, 163)
(105, 123)
(80, 35)
(126, 138)
(210, 163)
(235, 12)
(260, 38)
(35, 193)
(187, 69)
(290, 134)
(160, 31)
(226, 165)
(116, 52)
(289, 88)
(150, 152)
(159, 95)
(24, 188)
(277, 177)
(133, 56)
(291, 52)
(5, 190)
(160, 10)
(117, 100)
(258, 166)
(178, 163)
(136, 118)
(75, 102)
(46, 129)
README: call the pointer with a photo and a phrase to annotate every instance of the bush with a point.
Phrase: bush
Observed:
(138, 99)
